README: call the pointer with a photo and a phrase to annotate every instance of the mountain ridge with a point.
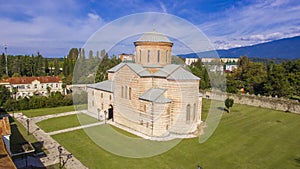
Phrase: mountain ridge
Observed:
(286, 48)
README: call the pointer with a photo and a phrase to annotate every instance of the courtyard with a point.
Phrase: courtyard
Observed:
(247, 137)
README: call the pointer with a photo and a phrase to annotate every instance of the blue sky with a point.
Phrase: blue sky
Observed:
(52, 27)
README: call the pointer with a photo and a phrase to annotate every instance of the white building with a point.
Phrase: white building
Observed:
(29, 86)
(189, 61)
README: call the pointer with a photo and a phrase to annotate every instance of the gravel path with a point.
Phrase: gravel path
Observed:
(49, 143)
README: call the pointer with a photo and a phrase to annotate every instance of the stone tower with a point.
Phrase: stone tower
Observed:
(153, 49)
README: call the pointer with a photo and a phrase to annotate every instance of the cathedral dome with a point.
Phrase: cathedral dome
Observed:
(153, 37)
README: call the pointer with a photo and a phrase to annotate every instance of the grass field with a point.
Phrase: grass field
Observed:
(54, 110)
(247, 138)
(47, 111)
(63, 122)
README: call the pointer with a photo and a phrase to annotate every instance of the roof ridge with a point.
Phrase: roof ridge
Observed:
(179, 66)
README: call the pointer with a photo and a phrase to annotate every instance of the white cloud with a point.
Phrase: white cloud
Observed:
(255, 23)
(52, 33)
(94, 16)
(163, 7)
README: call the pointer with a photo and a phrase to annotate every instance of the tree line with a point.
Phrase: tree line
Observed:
(88, 69)
(55, 99)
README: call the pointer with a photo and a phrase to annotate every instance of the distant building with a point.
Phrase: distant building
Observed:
(208, 60)
(189, 61)
(126, 57)
(229, 67)
(29, 86)
(229, 60)
(151, 95)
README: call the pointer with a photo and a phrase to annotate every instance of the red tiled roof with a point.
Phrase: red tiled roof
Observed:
(28, 80)
(4, 126)
(5, 160)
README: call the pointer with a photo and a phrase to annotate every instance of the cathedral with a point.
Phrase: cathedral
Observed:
(149, 95)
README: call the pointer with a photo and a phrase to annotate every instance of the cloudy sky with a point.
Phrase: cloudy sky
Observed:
(52, 27)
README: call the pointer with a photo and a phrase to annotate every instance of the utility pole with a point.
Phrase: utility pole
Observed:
(5, 53)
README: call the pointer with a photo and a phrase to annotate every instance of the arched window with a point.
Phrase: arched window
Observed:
(102, 107)
(129, 95)
(167, 56)
(148, 56)
(140, 56)
(122, 92)
(126, 92)
(194, 112)
(188, 113)
(158, 56)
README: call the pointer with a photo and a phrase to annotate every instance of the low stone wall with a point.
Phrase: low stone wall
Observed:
(259, 101)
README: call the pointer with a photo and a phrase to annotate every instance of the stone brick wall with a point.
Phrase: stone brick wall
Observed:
(260, 101)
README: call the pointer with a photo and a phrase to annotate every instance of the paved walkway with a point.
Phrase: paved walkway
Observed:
(75, 128)
(49, 143)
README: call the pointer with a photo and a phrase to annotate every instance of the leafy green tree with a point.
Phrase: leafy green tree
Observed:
(229, 103)
(47, 70)
(56, 68)
(48, 89)
(14, 92)
(4, 95)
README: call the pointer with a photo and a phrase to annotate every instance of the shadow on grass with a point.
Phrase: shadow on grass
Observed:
(297, 160)
(224, 109)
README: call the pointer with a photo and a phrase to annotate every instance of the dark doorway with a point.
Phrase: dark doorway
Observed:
(111, 112)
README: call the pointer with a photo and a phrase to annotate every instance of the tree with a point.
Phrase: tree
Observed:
(47, 70)
(48, 89)
(229, 103)
(4, 95)
(14, 92)
(56, 68)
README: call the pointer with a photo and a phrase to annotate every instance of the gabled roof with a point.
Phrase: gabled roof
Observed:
(166, 70)
(107, 85)
(28, 80)
(155, 95)
(182, 74)
(137, 68)
(172, 71)
(153, 37)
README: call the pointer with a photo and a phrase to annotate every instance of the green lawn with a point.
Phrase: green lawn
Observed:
(47, 111)
(248, 137)
(63, 122)
(53, 110)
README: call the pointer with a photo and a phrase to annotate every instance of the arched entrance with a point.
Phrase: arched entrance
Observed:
(111, 112)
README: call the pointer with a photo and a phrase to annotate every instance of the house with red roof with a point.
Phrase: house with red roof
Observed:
(29, 86)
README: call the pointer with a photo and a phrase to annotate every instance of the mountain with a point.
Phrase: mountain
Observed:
(287, 48)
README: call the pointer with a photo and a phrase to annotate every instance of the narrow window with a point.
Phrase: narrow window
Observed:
(194, 112)
(188, 113)
(102, 107)
(109, 97)
(140, 56)
(129, 95)
(93, 93)
(148, 56)
(145, 108)
(122, 91)
(126, 92)
(167, 56)
(158, 56)
(93, 103)
(101, 95)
